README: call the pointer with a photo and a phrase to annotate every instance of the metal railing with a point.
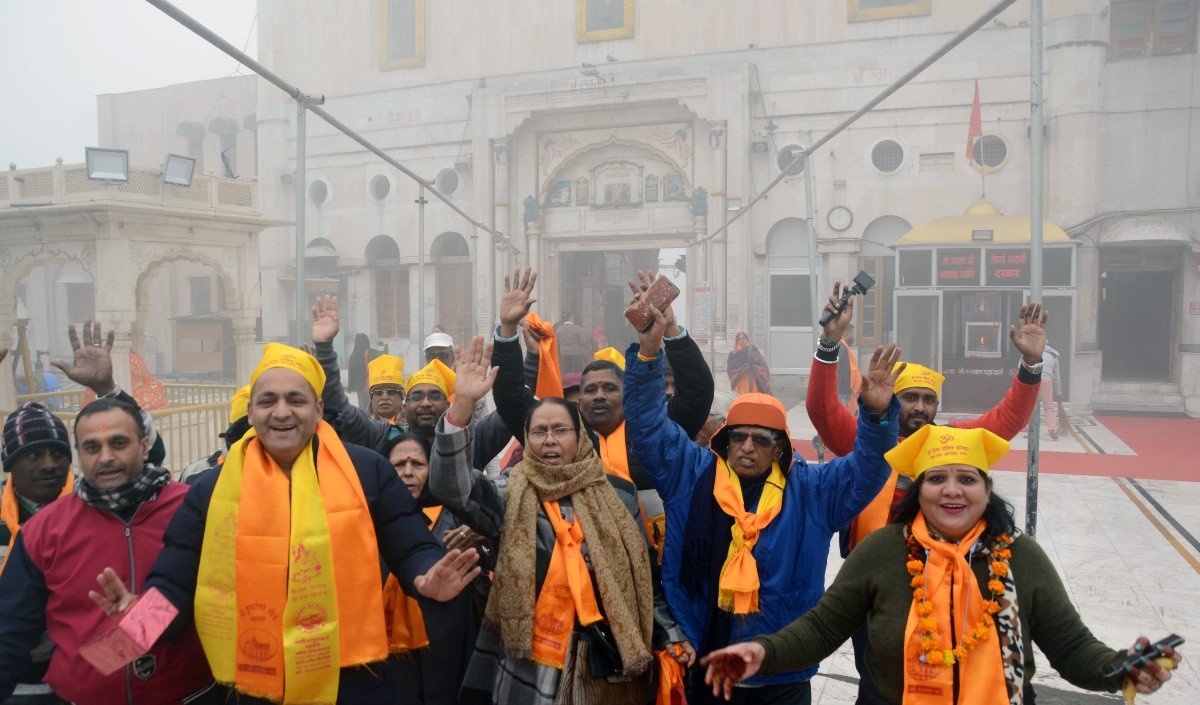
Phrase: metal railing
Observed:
(190, 428)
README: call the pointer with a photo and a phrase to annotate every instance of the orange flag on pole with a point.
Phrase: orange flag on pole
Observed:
(975, 129)
(549, 381)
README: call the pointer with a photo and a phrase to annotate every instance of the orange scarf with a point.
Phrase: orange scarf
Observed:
(10, 512)
(549, 381)
(250, 618)
(615, 453)
(877, 513)
(402, 614)
(670, 680)
(948, 577)
(739, 583)
(567, 592)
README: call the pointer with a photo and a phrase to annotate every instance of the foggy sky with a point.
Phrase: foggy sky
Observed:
(60, 54)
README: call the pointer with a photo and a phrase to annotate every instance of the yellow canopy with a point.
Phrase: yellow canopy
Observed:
(982, 215)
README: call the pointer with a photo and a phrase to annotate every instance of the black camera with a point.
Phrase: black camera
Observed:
(862, 284)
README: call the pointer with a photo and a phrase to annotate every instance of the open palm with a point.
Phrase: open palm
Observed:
(1030, 338)
(474, 374)
(879, 381)
(325, 319)
(517, 300)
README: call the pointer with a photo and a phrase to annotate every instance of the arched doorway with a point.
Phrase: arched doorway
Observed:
(789, 301)
(455, 285)
(875, 325)
(389, 283)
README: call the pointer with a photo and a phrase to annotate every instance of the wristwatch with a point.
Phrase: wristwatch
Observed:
(1035, 369)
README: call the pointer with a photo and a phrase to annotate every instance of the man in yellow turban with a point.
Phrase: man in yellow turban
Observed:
(385, 380)
(286, 595)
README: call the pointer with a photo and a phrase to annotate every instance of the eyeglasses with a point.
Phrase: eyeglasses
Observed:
(390, 391)
(761, 440)
(418, 397)
(561, 433)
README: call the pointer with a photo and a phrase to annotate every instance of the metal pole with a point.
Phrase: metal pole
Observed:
(813, 291)
(301, 295)
(421, 264)
(954, 41)
(1037, 50)
(313, 103)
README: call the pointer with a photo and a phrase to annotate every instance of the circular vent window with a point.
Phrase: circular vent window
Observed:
(446, 181)
(318, 191)
(887, 155)
(989, 151)
(380, 187)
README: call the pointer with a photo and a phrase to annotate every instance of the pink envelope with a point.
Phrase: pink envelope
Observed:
(123, 637)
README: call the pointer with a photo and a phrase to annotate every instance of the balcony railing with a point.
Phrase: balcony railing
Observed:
(66, 184)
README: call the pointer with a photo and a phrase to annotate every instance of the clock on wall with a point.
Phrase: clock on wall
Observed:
(839, 218)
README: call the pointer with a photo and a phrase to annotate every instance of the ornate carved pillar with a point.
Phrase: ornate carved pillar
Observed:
(8, 386)
(243, 343)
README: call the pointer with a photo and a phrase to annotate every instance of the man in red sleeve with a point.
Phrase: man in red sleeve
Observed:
(918, 393)
(918, 389)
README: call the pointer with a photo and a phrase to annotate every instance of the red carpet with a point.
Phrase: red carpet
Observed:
(1167, 449)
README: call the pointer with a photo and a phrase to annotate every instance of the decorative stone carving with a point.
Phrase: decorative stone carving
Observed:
(531, 209)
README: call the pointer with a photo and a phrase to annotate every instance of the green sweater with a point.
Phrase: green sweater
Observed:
(873, 587)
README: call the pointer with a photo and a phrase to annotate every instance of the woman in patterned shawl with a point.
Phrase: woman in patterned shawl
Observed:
(953, 596)
(747, 368)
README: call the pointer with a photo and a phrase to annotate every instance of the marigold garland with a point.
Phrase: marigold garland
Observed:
(927, 627)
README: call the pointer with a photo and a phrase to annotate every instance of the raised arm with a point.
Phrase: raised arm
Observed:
(513, 398)
(833, 422)
(694, 387)
(466, 491)
(357, 426)
(664, 450)
(1007, 418)
(846, 485)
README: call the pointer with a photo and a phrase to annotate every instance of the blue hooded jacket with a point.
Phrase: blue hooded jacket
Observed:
(793, 551)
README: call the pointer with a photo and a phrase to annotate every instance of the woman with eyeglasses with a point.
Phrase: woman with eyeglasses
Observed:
(431, 642)
(572, 612)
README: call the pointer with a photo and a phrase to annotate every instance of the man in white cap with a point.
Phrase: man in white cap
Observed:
(439, 346)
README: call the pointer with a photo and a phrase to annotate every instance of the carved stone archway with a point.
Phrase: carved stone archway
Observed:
(120, 234)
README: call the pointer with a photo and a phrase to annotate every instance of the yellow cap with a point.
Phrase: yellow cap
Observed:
(435, 373)
(239, 405)
(385, 369)
(611, 355)
(933, 446)
(294, 359)
(915, 375)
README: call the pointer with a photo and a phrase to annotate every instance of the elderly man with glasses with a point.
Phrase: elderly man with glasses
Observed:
(749, 524)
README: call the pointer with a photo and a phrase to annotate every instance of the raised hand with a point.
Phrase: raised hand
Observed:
(1030, 338)
(531, 337)
(879, 381)
(732, 664)
(474, 377)
(92, 366)
(645, 279)
(836, 328)
(449, 576)
(325, 319)
(116, 597)
(517, 300)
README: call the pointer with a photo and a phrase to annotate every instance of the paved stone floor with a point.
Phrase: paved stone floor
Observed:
(1123, 540)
